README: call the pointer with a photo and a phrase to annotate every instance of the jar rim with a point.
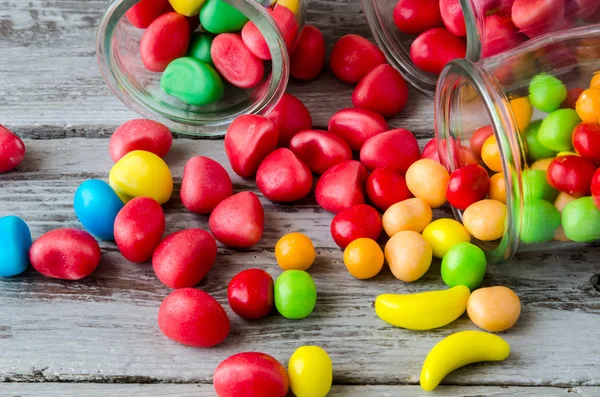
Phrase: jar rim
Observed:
(185, 121)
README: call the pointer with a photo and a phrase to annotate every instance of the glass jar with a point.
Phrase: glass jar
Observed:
(499, 91)
(489, 28)
(118, 54)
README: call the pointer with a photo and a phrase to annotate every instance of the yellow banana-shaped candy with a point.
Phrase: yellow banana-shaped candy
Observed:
(458, 350)
(425, 310)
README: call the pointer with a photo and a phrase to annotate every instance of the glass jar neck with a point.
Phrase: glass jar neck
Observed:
(474, 27)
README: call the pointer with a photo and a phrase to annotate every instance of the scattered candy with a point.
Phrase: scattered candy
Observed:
(165, 40)
(311, 372)
(408, 255)
(485, 219)
(295, 294)
(386, 187)
(363, 258)
(353, 56)
(12, 150)
(308, 57)
(96, 205)
(464, 264)
(238, 221)
(356, 126)
(382, 90)
(443, 234)
(204, 185)
(320, 150)
(290, 116)
(140, 134)
(15, 241)
(494, 309)
(295, 251)
(396, 149)
(433, 49)
(427, 179)
(412, 214)
(359, 221)
(342, 186)
(283, 178)
(250, 294)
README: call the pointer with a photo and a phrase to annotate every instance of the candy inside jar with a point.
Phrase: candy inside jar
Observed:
(531, 118)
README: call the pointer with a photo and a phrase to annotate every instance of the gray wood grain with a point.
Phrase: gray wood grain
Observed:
(104, 327)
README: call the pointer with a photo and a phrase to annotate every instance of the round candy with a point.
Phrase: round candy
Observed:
(353, 56)
(238, 221)
(199, 48)
(12, 150)
(412, 214)
(290, 116)
(386, 187)
(443, 234)
(295, 294)
(165, 40)
(193, 318)
(555, 131)
(546, 92)
(479, 137)
(464, 264)
(581, 220)
(522, 112)
(141, 174)
(359, 221)
(96, 205)
(536, 186)
(467, 185)
(540, 219)
(308, 57)
(15, 241)
(494, 309)
(192, 81)
(311, 372)
(570, 101)
(235, 62)
(363, 258)
(535, 149)
(183, 258)
(485, 219)
(67, 254)
(596, 188)
(572, 175)
(140, 134)
(588, 105)
(250, 294)
(561, 201)
(188, 8)
(497, 188)
(490, 154)
(295, 251)
(586, 141)
(428, 180)
(217, 16)
(542, 164)
(408, 255)
(204, 185)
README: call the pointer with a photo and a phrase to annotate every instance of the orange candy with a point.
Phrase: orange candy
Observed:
(588, 105)
(490, 154)
(595, 83)
(494, 309)
(363, 258)
(497, 188)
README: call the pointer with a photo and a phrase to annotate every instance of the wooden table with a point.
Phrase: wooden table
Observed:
(99, 336)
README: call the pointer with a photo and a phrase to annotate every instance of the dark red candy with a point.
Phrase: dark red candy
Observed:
(194, 318)
(355, 126)
(467, 185)
(235, 62)
(67, 254)
(139, 227)
(417, 16)
(143, 13)
(359, 221)
(183, 258)
(453, 18)
(586, 141)
(382, 90)
(238, 221)
(290, 116)
(596, 188)
(572, 97)
(386, 187)
(12, 150)
(165, 40)
(499, 34)
(342, 186)
(283, 178)
(432, 50)
(205, 184)
(396, 149)
(353, 56)
(250, 294)
(571, 174)
(308, 57)
(140, 134)
(255, 41)
(320, 150)
(478, 138)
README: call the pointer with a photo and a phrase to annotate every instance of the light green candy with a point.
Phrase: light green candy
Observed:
(546, 92)
(219, 17)
(192, 81)
(581, 220)
(540, 221)
(535, 149)
(464, 264)
(295, 294)
(556, 129)
(536, 187)
(200, 47)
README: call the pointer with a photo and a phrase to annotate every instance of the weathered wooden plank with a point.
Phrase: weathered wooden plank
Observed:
(201, 390)
(50, 84)
(104, 328)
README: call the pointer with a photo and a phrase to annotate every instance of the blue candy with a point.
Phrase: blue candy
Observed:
(15, 241)
(97, 205)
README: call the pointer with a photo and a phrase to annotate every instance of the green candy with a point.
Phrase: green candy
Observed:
(540, 221)
(464, 264)
(192, 81)
(295, 294)
(216, 16)
(200, 47)
(535, 149)
(546, 92)
(581, 220)
(536, 186)
(555, 131)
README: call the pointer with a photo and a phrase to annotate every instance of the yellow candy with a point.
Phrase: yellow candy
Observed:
(444, 234)
(363, 258)
(189, 8)
(426, 310)
(310, 371)
(485, 219)
(292, 5)
(542, 164)
(412, 214)
(408, 255)
(567, 154)
(458, 350)
(522, 112)
(295, 251)
(141, 174)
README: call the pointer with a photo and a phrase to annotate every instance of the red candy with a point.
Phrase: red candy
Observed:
(342, 186)
(467, 185)
(290, 116)
(432, 50)
(308, 57)
(382, 90)
(355, 126)
(12, 150)
(205, 184)
(353, 56)
(462, 155)
(499, 35)
(586, 141)
(282, 177)
(139, 227)
(417, 16)
(142, 14)
(250, 294)
(165, 40)
(320, 150)
(235, 62)
(359, 221)
(596, 188)
(256, 43)
(249, 139)
(67, 254)
(478, 138)
(536, 17)
(140, 134)
(572, 97)
(386, 187)
(238, 221)
(571, 174)
(193, 318)
(183, 258)
(453, 18)
(396, 149)
(251, 374)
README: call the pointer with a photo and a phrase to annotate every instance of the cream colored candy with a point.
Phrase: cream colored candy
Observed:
(494, 309)
(408, 255)
(412, 214)
(428, 180)
(485, 219)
